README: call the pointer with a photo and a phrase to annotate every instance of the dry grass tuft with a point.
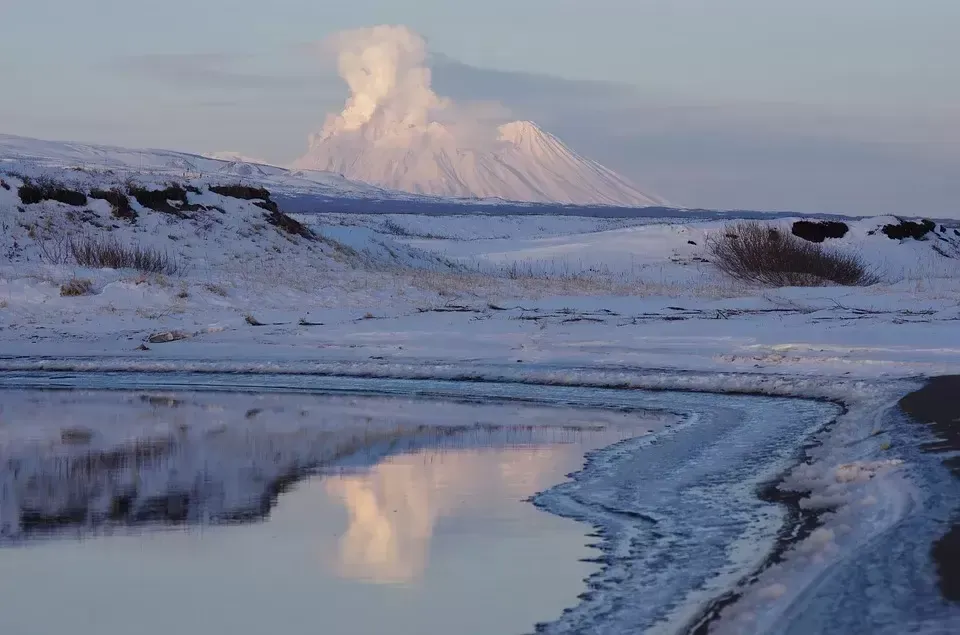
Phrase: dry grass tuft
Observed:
(109, 253)
(216, 289)
(76, 287)
(76, 436)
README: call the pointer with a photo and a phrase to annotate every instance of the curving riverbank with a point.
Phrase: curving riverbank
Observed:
(686, 515)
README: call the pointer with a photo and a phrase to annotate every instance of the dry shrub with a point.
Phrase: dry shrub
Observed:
(755, 252)
(109, 253)
(76, 287)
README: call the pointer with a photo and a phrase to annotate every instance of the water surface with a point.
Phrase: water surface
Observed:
(440, 540)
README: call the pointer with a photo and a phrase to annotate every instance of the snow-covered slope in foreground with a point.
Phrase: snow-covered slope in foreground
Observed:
(524, 164)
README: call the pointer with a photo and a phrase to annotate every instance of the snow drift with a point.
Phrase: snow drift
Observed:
(396, 132)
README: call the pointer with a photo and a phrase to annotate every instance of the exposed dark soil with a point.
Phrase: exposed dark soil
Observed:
(818, 231)
(909, 229)
(160, 200)
(32, 193)
(243, 192)
(938, 405)
(290, 225)
(119, 203)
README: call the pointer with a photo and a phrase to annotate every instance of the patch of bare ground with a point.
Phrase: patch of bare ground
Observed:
(937, 406)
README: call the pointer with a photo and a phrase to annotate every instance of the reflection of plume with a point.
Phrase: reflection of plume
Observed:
(391, 521)
(394, 507)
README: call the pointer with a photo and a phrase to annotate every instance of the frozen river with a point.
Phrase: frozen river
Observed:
(242, 504)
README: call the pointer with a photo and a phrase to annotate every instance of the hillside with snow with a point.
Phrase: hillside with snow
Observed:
(92, 163)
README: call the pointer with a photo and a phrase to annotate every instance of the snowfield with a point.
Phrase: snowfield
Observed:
(513, 303)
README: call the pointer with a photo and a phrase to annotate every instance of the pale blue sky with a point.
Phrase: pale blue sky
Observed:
(752, 103)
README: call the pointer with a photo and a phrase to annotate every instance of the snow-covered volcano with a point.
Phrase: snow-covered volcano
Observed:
(524, 163)
(397, 133)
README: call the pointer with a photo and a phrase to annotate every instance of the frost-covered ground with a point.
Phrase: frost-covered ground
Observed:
(536, 300)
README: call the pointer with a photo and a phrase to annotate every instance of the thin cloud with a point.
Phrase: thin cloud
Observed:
(206, 71)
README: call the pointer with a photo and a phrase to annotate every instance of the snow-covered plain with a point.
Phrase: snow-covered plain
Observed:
(531, 300)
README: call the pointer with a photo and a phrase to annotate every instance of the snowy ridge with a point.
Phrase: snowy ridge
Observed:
(309, 179)
(36, 156)
(523, 164)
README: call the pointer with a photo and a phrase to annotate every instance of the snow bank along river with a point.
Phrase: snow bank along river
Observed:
(397, 505)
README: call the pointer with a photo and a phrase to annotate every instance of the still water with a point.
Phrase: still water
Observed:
(437, 540)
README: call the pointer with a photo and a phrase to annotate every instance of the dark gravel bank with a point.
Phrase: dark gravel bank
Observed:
(938, 405)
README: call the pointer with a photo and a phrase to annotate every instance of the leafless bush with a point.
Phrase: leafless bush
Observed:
(55, 250)
(109, 253)
(755, 252)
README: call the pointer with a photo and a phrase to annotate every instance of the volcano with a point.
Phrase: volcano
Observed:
(397, 133)
(522, 163)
